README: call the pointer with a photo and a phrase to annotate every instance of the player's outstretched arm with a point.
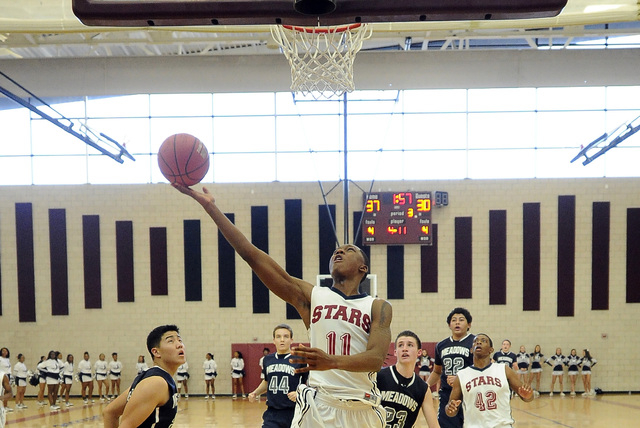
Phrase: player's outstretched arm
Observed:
(524, 391)
(455, 398)
(261, 389)
(290, 289)
(429, 411)
(370, 360)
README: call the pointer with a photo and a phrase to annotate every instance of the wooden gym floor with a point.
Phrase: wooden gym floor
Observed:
(603, 411)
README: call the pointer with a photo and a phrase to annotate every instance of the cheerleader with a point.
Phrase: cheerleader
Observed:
(20, 373)
(5, 366)
(237, 375)
(101, 368)
(265, 352)
(42, 380)
(587, 362)
(60, 379)
(523, 360)
(573, 362)
(86, 379)
(182, 379)
(5, 394)
(141, 365)
(67, 379)
(52, 371)
(557, 361)
(536, 369)
(115, 372)
(210, 372)
(425, 362)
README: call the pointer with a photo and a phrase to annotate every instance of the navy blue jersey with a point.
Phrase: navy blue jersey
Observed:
(163, 415)
(505, 358)
(401, 397)
(281, 379)
(453, 356)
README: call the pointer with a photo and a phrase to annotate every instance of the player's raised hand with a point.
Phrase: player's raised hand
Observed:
(203, 197)
(314, 358)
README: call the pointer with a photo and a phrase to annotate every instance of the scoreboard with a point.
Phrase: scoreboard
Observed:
(397, 218)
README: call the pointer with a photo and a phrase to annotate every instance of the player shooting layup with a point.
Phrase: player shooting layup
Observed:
(349, 332)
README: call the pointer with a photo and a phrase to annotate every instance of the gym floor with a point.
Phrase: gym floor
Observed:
(602, 411)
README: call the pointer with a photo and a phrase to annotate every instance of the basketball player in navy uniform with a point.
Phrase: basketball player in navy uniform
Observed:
(152, 398)
(280, 381)
(349, 331)
(403, 393)
(452, 354)
(484, 389)
(505, 356)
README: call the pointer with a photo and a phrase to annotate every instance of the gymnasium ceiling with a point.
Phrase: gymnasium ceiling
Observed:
(49, 29)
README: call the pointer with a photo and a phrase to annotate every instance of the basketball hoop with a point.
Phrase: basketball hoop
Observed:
(321, 58)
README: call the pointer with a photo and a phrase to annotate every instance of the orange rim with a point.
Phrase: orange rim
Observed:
(323, 30)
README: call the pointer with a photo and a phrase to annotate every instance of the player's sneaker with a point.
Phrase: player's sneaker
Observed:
(573, 394)
(562, 394)
(551, 394)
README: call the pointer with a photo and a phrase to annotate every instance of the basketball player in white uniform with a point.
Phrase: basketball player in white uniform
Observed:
(349, 332)
(485, 389)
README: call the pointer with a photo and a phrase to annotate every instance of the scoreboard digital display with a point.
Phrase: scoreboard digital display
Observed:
(397, 218)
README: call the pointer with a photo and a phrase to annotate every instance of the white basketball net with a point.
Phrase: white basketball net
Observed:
(321, 58)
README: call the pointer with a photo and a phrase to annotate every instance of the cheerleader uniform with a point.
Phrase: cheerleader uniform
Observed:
(101, 370)
(536, 365)
(67, 373)
(183, 372)
(237, 367)
(52, 372)
(84, 371)
(42, 372)
(523, 360)
(573, 362)
(557, 362)
(115, 370)
(587, 364)
(425, 363)
(141, 367)
(210, 369)
(20, 374)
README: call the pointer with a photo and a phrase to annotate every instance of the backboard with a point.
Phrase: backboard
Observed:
(145, 13)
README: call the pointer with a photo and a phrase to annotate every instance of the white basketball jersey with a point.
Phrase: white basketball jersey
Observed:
(486, 397)
(340, 325)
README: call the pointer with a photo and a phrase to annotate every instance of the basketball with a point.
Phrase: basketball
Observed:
(183, 159)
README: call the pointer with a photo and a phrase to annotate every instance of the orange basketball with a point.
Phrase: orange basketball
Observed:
(183, 159)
